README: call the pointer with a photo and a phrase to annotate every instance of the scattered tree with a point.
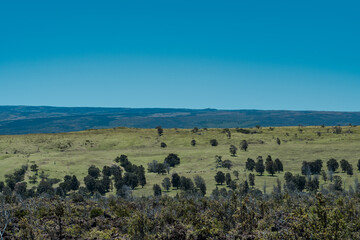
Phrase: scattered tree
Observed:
(252, 179)
(214, 142)
(332, 165)
(159, 130)
(227, 164)
(172, 160)
(233, 150)
(344, 164)
(270, 166)
(186, 184)
(175, 180)
(200, 184)
(227, 178)
(259, 167)
(250, 164)
(157, 190)
(220, 177)
(131, 180)
(244, 145)
(278, 165)
(166, 183)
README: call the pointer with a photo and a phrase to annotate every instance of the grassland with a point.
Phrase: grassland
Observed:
(72, 153)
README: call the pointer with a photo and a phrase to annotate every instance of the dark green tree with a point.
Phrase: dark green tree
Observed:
(160, 131)
(227, 164)
(172, 160)
(233, 150)
(74, 183)
(244, 145)
(200, 184)
(175, 180)
(349, 170)
(220, 177)
(140, 172)
(227, 178)
(116, 171)
(250, 164)
(157, 190)
(106, 171)
(278, 165)
(94, 171)
(270, 166)
(332, 165)
(259, 167)
(131, 180)
(213, 142)
(252, 179)
(186, 184)
(166, 183)
(344, 164)
(90, 183)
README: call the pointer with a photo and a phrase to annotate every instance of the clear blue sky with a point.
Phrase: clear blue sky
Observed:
(297, 55)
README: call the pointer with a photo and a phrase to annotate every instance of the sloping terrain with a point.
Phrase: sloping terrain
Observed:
(72, 153)
(28, 119)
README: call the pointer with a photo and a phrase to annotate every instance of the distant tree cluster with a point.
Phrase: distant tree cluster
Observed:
(310, 168)
(161, 168)
(270, 166)
(247, 131)
(183, 183)
(222, 164)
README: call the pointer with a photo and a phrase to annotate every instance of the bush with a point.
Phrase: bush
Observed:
(96, 212)
(172, 160)
(214, 142)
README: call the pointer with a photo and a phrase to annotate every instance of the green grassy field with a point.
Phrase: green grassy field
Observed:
(73, 153)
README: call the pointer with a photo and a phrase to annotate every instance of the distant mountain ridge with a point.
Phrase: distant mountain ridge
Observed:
(33, 119)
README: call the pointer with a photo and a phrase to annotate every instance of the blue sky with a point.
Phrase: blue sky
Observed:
(296, 55)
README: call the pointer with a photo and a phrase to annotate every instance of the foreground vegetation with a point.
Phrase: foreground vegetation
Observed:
(236, 214)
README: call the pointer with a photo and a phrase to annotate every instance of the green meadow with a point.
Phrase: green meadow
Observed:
(72, 153)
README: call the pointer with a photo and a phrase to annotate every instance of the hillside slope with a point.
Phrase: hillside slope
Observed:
(28, 119)
(72, 153)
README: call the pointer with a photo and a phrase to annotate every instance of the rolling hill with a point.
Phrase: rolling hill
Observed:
(43, 119)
